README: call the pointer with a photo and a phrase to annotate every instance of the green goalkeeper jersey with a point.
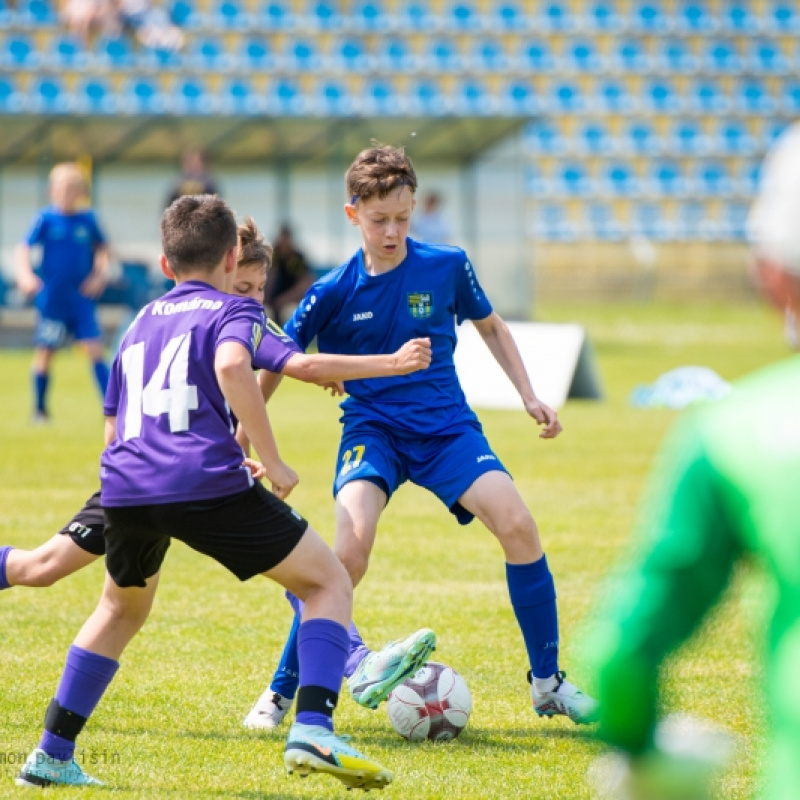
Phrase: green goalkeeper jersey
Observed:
(728, 485)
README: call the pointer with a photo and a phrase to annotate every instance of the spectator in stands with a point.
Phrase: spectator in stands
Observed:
(195, 177)
(773, 221)
(429, 224)
(728, 490)
(288, 279)
(85, 18)
(72, 273)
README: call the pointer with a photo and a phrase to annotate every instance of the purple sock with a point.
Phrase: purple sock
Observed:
(4, 551)
(358, 650)
(85, 678)
(322, 647)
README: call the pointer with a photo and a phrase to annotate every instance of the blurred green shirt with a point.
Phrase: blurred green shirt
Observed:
(728, 485)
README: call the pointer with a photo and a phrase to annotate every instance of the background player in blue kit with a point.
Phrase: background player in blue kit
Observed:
(172, 468)
(72, 273)
(419, 427)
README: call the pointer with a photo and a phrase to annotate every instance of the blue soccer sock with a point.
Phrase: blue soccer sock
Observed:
(41, 381)
(533, 598)
(287, 675)
(288, 663)
(4, 551)
(85, 678)
(101, 373)
(322, 646)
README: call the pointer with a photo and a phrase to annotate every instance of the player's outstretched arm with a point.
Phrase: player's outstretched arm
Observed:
(414, 355)
(233, 367)
(27, 281)
(495, 333)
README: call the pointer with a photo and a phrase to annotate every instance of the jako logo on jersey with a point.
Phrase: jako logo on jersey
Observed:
(362, 316)
(164, 309)
(258, 332)
(486, 458)
(420, 304)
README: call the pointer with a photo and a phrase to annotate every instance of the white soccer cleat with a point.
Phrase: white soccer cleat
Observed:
(268, 712)
(564, 700)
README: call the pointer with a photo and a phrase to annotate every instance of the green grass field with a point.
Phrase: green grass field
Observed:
(170, 725)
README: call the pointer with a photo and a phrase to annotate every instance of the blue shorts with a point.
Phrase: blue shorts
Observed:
(59, 322)
(446, 464)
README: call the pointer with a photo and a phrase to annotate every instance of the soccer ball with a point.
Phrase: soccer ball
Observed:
(434, 704)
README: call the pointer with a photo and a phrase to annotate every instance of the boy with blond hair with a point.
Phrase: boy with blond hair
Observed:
(71, 275)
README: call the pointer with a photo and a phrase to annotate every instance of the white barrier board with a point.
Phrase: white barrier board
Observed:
(558, 359)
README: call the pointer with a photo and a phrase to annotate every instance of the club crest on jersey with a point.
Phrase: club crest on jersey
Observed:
(420, 304)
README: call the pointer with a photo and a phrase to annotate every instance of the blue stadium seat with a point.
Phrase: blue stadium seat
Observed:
(229, 14)
(36, 12)
(593, 138)
(565, 97)
(490, 55)
(675, 55)
(427, 94)
(631, 56)
(582, 56)
(397, 55)
(371, 16)
(712, 179)
(381, 94)
(766, 56)
(116, 52)
(334, 98)
(748, 177)
(706, 97)
(649, 16)
(667, 179)
(285, 97)
(325, 14)
(649, 221)
(96, 96)
(463, 16)
(144, 96)
(354, 55)
(67, 51)
(549, 222)
(733, 137)
(686, 137)
(555, 15)
(239, 98)
(572, 180)
(601, 222)
(209, 53)
(443, 56)
(182, 13)
(783, 16)
(473, 98)
(694, 17)
(738, 16)
(302, 55)
(19, 51)
(255, 54)
(721, 56)
(620, 179)
(612, 96)
(603, 15)
(418, 16)
(536, 56)
(790, 98)
(694, 221)
(508, 16)
(752, 97)
(274, 15)
(192, 96)
(543, 137)
(641, 138)
(49, 96)
(661, 95)
(10, 98)
(735, 215)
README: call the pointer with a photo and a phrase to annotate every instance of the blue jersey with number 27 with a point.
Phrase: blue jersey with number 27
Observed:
(353, 313)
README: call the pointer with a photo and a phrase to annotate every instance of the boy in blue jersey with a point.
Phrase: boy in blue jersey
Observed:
(184, 366)
(419, 427)
(71, 275)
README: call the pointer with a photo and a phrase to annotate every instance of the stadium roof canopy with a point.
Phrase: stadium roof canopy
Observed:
(311, 141)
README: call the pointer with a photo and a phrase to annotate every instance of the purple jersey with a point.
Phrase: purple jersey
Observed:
(174, 437)
(275, 349)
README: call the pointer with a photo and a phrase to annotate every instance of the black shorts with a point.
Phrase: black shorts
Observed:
(86, 527)
(248, 533)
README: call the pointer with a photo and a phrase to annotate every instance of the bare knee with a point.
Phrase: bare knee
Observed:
(355, 562)
(519, 536)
